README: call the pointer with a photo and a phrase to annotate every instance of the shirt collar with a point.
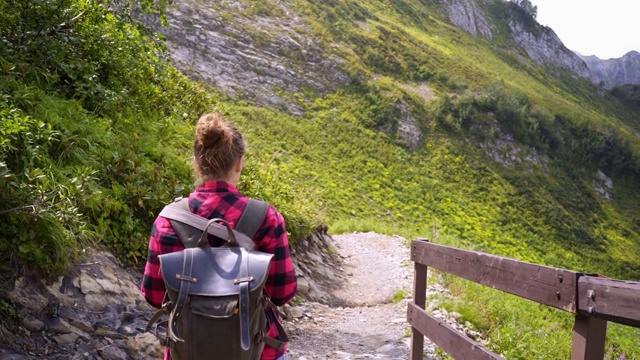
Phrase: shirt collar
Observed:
(217, 186)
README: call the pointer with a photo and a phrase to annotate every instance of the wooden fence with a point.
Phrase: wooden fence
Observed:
(594, 300)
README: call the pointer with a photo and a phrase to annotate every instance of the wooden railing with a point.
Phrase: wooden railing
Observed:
(594, 300)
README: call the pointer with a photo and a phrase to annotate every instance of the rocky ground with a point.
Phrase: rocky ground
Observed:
(353, 294)
(361, 320)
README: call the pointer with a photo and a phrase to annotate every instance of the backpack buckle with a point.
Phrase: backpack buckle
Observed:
(258, 337)
(264, 301)
(243, 280)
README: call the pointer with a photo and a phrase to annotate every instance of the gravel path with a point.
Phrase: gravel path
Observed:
(370, 325)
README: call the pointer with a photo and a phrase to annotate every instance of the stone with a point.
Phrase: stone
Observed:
(82, 324)
(113, 352)
(385, 349)
(65, 339)
(303, 286)
(31, 323)
(467, 16)
(620, 71)
(148, 344)
(6, 336)
(547, 49)
(30, 298)
(58, 326)
(5, 355)
(294, 312)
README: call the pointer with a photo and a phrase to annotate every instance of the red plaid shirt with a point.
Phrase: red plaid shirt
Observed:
(218, 199)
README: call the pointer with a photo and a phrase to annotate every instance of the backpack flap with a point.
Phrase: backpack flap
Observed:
(213, 270)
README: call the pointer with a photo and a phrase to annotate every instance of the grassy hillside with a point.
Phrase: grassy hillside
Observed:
(95, 138)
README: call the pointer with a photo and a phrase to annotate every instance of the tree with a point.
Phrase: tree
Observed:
(527, 6)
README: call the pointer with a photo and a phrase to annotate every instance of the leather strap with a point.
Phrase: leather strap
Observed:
(273, 342)
(243, 281)
(154, 318)
(185, 216)
(252, 217)
(183, 294)
(272, 318)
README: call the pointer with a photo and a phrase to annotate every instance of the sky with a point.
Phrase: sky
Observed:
(605, 28)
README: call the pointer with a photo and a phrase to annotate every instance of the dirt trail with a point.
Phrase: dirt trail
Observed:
(369, 324)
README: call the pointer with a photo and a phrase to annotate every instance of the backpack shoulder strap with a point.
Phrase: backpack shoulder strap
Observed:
(252, 217)
(189, 226)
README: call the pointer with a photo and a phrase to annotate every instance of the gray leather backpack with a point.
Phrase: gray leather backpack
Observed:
(215, 299)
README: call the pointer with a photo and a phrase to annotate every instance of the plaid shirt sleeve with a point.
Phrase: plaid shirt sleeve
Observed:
(272, 238)
(163, 240)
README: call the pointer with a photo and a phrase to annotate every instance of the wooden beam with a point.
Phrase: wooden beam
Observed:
(546, 285)
(447, 338)
(419, 299)
(589, 334)
(609, 299)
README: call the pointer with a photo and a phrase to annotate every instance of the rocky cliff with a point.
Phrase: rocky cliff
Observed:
(466, 15)
(546, 49)
(265, 56)
(540, 43)
(621, 71)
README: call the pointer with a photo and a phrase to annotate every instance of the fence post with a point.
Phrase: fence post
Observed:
(589, 334)
(420, 299)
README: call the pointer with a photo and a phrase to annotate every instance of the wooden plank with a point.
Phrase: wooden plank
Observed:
(448, 339)
(419, 299)
(543, 284)
(589, 334)
(609, 299)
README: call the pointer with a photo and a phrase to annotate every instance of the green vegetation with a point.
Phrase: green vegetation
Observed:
(95, 136)
(96, 129)
(399, 295)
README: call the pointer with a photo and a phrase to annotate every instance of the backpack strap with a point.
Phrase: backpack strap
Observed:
(252, 217)
(189, 226)
(283, 337)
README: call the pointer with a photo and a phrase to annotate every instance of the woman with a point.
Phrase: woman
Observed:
(218, 160)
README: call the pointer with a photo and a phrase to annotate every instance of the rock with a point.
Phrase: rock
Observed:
(546, 49)
(148, 344)
(621, 71)
(467, 16)
(65, 339)
(408, 127)
(293, 312)
(113, 352)
(58, 326)
(6, 336)
(303, 286)
(253, 57)
(386, 349)
(30, 296)
(31, 323)
(5, 355)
